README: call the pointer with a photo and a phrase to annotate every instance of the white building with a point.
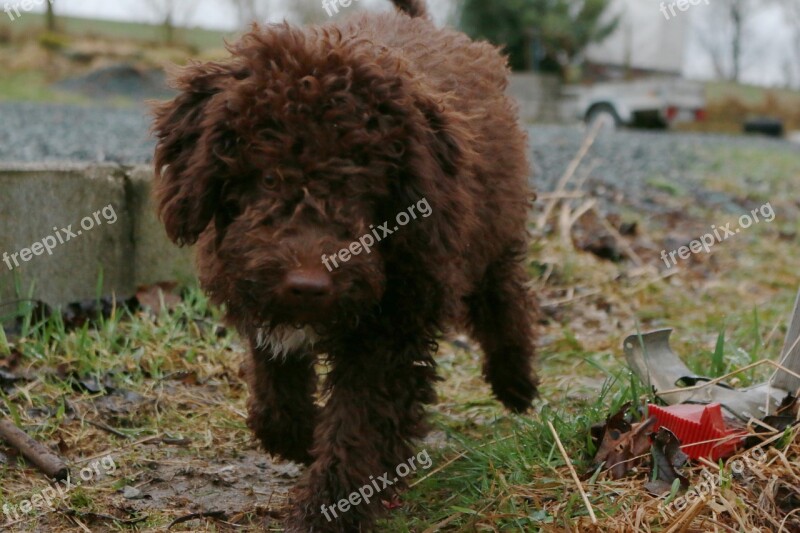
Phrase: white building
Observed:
(651, 38)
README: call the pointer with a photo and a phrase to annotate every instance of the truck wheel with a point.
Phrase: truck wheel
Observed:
(605, 115)
(765, 126)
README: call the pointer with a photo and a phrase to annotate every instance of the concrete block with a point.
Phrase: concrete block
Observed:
(157, 259)
(65, 230)
(75, 232)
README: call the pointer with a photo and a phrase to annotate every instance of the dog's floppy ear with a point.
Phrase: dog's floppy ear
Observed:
(187, 162)
(436, 158)
(444, 136)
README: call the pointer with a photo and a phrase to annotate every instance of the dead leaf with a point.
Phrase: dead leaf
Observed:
(120, 402)
(658, 487)
(78, 314)
(668, 457)
(150, 296)
(785, 417)
(623, 445)
(789, 406)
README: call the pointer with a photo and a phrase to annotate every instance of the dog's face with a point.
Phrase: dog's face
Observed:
(285, 155)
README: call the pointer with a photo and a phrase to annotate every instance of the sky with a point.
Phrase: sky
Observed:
(765, 62)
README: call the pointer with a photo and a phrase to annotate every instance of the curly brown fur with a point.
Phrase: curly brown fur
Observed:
(295, 147)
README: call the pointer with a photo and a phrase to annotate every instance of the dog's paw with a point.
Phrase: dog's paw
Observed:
(516, 392)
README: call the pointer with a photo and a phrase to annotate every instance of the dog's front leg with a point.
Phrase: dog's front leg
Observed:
(281, 410)
(374, 410)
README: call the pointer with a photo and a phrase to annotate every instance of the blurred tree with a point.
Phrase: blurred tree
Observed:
(51, 16)
(165, 11)
(791, 9)
(250, 11)
(547, 35)
(171, 13)
(311, 12)
(727, 34)
(299, 11)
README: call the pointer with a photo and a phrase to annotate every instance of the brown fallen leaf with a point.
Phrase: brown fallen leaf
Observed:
(623, 444)
(667, 458)
(151, 297)
(785, 417)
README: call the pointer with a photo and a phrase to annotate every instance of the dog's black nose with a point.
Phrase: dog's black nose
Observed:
(309, 285)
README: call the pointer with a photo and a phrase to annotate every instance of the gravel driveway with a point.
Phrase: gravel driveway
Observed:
(622, 161)
(34, 132)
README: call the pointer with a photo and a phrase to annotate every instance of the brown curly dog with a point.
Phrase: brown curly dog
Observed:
(353, 188)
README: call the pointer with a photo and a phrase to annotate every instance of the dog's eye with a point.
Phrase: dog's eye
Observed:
(270, 180)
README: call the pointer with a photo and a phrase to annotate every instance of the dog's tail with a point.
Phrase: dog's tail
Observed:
(414, 8)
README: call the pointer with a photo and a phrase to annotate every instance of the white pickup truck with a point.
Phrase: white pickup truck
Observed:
(647, 103)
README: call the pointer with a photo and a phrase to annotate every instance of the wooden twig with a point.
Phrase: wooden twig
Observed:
(106, 427)
(568, 218)
(570, 298)
(729, 374)
(541, 222)
(440, 525)
(564, 195)
(456, 458)
(577, 480)
(146, 440)
(564, 226)
(586, 172)
(194, 516)
(582, 210)
(619, 238)
(683, 522)
(437, 469)
(35, 452)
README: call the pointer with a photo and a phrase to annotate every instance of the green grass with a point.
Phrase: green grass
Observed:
(199, 38)
(508, 475)
(750, 94)
(32, 86)
(33, 60)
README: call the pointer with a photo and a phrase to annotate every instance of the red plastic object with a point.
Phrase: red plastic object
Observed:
(700, 115)
(702, 424)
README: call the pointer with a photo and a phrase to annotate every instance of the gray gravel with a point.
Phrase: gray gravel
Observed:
(622, 161)
(33, 132)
